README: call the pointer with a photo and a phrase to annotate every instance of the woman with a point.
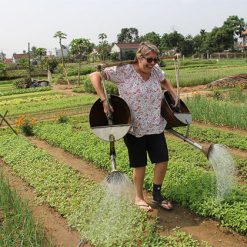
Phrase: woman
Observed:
(139, 84)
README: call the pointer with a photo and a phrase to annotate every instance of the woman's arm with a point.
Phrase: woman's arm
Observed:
(95, 78)
(166, 84)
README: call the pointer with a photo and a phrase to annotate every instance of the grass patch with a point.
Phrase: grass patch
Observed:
(218, 112)
(17, 228)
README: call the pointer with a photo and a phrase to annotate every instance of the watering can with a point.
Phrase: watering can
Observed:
(180, 116)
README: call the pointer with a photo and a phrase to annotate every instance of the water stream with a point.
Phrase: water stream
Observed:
(224, 168)
(112, 218)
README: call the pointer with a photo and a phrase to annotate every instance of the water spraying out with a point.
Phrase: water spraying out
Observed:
(221, 161)
(224, 169)
(120, 186)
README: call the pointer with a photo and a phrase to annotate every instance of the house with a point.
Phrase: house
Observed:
(8, 60)
(65, 51)
(124, 49)
(244, 40)
(16, 57)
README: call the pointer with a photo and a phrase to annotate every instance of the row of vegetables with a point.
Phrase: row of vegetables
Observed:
(187, 183)
(83, 202)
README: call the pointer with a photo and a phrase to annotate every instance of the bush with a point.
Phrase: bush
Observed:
(2, 70)
(110, 87)
(25, 124)
(63, 119)
(23, 83)
(79, 90)
(84, 70)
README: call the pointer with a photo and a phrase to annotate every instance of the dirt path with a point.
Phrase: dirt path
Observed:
(55, 226)
(65, 89)
(200, 228)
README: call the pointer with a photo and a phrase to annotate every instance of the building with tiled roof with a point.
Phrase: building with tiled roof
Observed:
(8, 60)
(17, 57)
(123, 48)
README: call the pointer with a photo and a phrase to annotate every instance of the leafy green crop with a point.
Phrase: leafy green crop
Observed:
(51, 104)
(83, 202)
(186, 182)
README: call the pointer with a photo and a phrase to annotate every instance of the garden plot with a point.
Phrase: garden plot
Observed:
(71, 194)
(189, 172)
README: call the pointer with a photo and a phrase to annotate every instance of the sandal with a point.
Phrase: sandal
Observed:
(145, 207)
(163, 203)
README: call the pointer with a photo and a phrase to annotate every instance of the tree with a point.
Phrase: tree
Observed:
(81, 48)
(103, 46)
(60, 35)
(128, 35)
(172, 41)
(187, 46)
(223, 38)
(234, 25)
(218, 40)
(200, 45)
(40, 52)
(151, 37)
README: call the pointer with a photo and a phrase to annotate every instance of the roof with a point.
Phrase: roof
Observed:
(8, 60)
(127, 45)
(20, 56)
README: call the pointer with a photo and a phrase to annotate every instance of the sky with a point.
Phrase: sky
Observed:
(36, 21)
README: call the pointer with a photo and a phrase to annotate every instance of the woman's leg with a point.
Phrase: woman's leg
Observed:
(159, 172)
(159, 175)
(138, 178)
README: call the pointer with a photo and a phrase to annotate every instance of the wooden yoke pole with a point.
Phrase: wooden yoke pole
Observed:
(5, 120)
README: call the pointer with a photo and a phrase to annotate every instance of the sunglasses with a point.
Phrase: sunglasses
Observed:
(152, 59)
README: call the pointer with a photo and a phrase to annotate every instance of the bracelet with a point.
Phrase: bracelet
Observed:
(103, 100)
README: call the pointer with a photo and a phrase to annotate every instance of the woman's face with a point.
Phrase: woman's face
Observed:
(147, 62)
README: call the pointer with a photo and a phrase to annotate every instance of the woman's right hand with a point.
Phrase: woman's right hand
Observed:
(104, 103)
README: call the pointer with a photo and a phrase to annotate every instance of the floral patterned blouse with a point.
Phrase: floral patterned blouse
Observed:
(143, 97)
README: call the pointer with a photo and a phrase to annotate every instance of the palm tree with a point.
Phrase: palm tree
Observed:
(103, 46)
(60, 35)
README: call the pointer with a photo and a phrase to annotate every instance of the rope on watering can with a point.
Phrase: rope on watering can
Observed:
(176, 65)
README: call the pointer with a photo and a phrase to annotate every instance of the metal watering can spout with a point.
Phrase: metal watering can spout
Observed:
(205, 148)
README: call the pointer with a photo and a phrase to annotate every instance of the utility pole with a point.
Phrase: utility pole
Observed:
(29, 62)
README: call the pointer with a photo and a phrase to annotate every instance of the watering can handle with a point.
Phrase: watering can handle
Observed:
(109, 113)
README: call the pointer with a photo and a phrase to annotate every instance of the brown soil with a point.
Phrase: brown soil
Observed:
(65, 89)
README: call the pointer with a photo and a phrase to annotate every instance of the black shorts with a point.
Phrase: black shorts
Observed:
(138, 147)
